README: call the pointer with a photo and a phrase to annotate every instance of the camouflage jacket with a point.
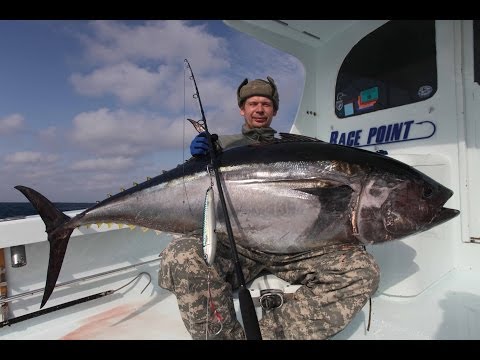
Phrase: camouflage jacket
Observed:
(248, 136)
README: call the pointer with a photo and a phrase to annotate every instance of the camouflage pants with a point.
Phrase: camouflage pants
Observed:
(337, 282)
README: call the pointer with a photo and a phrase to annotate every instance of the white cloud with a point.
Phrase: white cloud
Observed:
(11, 123)
(26, 157)
(162, 40)
(146, 62)
(120, 132)
(129, 82)
(48, 133)
(105, 164)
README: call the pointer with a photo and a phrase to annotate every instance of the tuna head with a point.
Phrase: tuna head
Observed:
(393, 206)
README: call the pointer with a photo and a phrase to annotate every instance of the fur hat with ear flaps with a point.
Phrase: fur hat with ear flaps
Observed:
(258, 87)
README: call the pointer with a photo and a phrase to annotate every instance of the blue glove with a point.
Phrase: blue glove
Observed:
(199, 145)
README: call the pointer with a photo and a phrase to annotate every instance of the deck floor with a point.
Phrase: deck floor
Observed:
(449, 309)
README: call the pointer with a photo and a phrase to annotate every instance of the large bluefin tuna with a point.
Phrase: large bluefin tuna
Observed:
(288, 196)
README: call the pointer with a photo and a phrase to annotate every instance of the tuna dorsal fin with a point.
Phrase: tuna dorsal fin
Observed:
(296, 137)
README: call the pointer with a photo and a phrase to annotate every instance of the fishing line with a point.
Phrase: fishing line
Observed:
(185, 194)
(369, 313)
(369, 303)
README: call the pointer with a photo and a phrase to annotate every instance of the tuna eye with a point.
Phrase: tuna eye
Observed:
(427, 192)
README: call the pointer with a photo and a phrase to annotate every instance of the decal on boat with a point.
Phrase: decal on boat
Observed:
(385, 134)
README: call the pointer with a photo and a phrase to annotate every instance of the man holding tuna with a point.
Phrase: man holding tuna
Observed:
(336, 281)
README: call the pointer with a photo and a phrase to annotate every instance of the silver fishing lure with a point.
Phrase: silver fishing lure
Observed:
(209, 240)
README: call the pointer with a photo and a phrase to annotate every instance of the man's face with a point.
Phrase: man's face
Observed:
(258, 112)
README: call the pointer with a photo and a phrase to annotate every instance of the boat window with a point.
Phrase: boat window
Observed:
(476, 51)
(392, 66)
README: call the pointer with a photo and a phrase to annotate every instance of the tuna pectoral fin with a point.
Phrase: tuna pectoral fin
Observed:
(58, 236)
(334, 196)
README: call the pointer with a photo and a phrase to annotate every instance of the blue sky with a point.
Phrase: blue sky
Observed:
(89, 107)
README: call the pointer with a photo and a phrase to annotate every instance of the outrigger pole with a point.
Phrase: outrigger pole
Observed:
(247, 308)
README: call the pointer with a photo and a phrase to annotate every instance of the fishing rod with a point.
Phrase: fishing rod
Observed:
(247, 308)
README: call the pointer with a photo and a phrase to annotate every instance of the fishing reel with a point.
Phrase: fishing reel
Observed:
(271, 299)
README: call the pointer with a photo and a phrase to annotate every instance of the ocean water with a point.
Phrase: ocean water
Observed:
(20, 209)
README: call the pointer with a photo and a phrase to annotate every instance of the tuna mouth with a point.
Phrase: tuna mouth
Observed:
(443, 215)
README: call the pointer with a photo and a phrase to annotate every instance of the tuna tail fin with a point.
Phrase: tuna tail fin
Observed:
(57, 236)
